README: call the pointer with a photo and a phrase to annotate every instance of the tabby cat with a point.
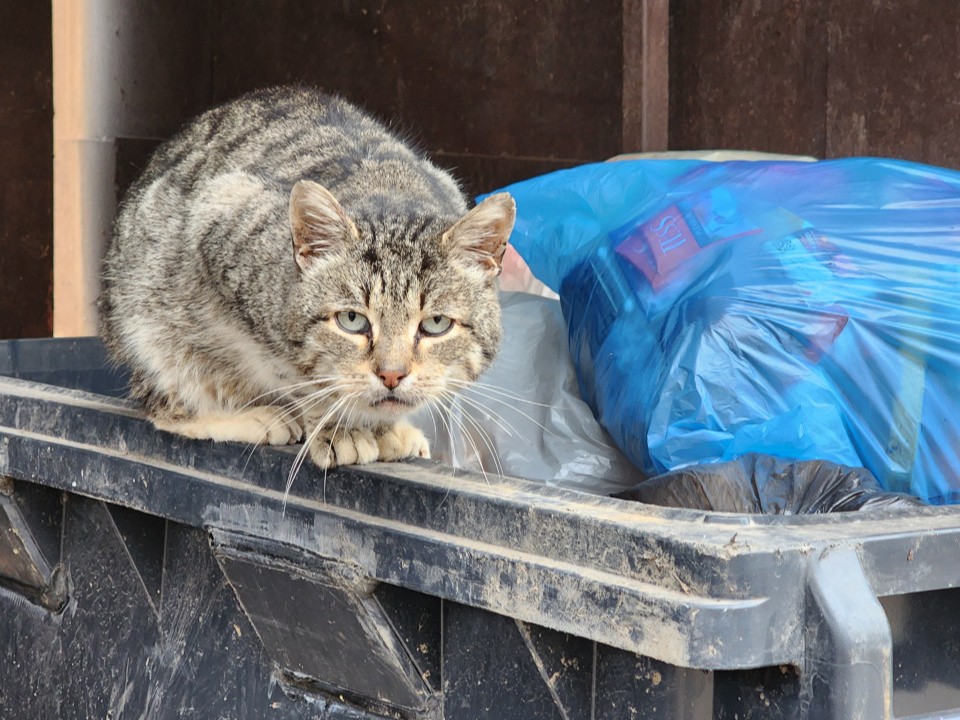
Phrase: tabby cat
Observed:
(287, 268)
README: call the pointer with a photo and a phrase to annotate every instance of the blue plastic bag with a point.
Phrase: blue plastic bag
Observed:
(804, 310)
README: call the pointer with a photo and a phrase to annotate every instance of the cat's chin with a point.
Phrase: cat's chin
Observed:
(390, 409)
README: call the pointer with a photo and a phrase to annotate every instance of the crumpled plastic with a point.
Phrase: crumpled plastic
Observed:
(525, 418)
(806, 311)
(761, 484)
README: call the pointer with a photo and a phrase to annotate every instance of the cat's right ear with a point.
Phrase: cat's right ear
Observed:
(318, 223)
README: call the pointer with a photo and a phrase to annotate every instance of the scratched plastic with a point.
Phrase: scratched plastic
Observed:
(803, 310)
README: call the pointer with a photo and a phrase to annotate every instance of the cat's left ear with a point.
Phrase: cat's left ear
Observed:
(318, 223)
(482, 234)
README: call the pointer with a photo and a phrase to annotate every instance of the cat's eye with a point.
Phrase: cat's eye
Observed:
(435, 325)
(353, 322)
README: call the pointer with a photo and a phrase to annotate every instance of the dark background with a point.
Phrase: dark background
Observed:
(498, 91)
(26, 170)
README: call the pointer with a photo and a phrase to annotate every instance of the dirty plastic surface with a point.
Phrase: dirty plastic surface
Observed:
(171, 578)
(808, 311)
(770, 486)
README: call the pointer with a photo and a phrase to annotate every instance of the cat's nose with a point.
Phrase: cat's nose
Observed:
(391, 378)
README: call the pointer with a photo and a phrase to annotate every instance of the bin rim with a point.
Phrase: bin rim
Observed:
(651, 580)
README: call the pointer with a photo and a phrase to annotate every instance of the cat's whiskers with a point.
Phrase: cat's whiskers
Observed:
(287, 412)
(482, 393)
(308, 402)
(283, 390)
(307, 405)
(453, 420)
(433, 418)
(301, 456)
(323, 385)
(477, 386)
(463, 429)
(333, 437)
(484, 435)
(432, 405)
(498, 419)
(435, 405)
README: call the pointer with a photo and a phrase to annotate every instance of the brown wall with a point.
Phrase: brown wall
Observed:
(823, 77)
(26, 170)
(496, 90)
(477, 83)
(500, 90)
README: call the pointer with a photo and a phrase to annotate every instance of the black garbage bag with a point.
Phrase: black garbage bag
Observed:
(762, 484)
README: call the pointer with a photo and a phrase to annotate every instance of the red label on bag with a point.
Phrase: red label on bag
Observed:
(661, 245)
(825, 328)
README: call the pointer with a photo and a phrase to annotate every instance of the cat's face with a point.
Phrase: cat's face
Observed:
(396, 313)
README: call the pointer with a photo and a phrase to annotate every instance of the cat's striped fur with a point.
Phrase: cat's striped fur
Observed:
(245, 259)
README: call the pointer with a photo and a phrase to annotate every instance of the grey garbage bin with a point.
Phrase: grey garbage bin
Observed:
(145, 575)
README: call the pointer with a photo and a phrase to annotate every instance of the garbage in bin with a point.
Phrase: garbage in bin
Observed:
(525, 417)
(771, 486)
(807, 311)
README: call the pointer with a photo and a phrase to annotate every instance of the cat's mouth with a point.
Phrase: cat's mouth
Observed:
(393, 402)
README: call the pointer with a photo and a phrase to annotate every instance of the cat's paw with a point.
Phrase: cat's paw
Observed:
(261, 425)
(401, 440)
(346, 447)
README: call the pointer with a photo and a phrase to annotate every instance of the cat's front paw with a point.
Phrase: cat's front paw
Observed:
(345, 447)
(401, 440)
(258, 425)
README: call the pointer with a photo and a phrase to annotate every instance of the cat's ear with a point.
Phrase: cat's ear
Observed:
(318, 223)
(481, 235)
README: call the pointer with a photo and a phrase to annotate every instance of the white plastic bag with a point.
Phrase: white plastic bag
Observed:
(525, 417)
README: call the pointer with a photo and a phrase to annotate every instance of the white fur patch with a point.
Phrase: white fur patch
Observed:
(261, 425)
(356, 446)
(402, 440)
(187, 380)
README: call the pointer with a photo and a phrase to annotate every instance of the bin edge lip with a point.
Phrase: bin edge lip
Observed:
(524, 491)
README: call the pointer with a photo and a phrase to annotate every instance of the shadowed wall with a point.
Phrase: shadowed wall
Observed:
(26, 170)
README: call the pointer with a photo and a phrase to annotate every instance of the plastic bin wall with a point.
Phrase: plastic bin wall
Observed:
(148, 575)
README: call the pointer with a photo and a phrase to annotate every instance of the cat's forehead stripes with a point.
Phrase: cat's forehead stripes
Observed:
(393, 307)
(395, 236)
(399, 255)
